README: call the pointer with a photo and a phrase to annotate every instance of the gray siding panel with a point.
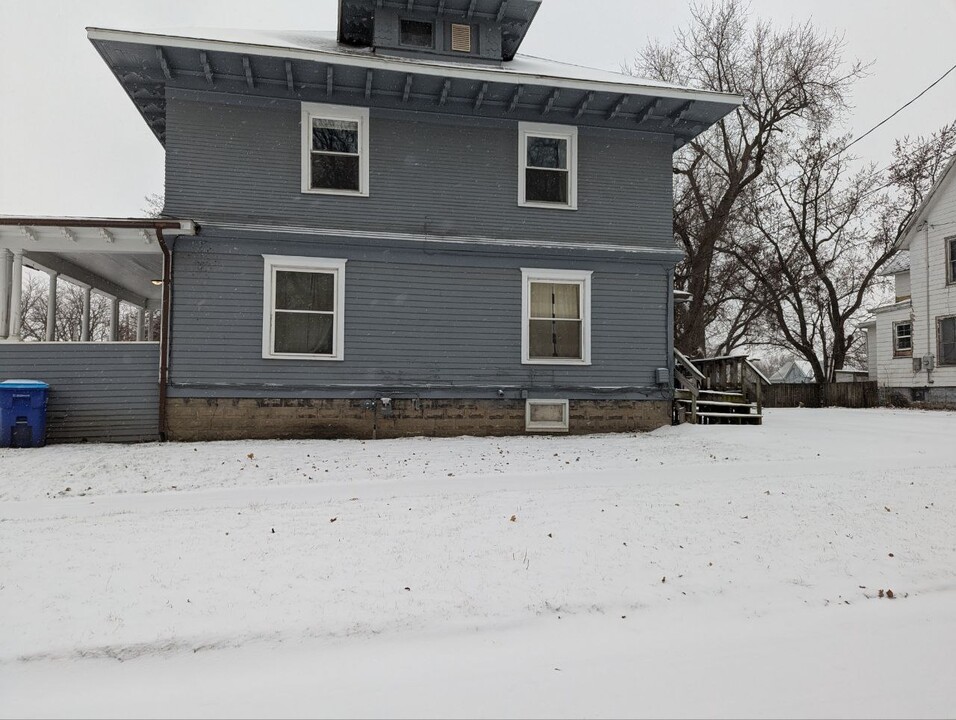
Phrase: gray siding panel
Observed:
(448, 320)
(99, 392)
(439, 175)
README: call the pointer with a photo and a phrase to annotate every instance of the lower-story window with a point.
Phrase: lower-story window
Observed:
(903, 339)
(303, 308)
(556, 310)
(946, 332)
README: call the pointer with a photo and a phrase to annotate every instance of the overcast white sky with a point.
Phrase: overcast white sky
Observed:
(71, 143)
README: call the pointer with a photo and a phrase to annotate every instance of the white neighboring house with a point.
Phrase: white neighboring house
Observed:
(911, 343)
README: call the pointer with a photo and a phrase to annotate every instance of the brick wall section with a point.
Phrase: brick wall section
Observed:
(194, 419)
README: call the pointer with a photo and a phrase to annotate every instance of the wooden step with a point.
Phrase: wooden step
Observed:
(730, 418)
(721, 403)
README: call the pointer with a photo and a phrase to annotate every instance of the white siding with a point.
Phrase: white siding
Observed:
(902, 285)
(892, 371)
(932, 296)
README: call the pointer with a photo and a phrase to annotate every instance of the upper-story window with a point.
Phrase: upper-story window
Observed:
(548, 158)
(334, 149)
(416, 34)
(903, 339)
(951, 260)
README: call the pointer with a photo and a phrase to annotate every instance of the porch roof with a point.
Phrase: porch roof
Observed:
(119, 257)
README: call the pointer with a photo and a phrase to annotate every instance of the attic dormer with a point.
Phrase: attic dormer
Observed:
(479, 31)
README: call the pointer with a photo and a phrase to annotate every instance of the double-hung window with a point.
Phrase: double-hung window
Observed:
(334, 149)
(303, 308)
(946, 334)
(903, 339)
(548, 159)
(556, 324)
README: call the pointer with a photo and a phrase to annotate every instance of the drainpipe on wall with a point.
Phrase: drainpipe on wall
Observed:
(929, 344)
(164, 326)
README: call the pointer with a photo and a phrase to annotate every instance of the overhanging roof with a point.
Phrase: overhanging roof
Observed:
(120, 257)
(923, 210)
(357, 17)
(313, 66)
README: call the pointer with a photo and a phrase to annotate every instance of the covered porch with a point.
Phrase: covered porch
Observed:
(107, 383)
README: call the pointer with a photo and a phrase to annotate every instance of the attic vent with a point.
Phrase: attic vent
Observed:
(461, 37)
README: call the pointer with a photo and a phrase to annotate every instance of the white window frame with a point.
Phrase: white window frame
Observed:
(902, 352)
(542, 425)
(321, 111)
(276, 263)
(546, 130)
(582, 278)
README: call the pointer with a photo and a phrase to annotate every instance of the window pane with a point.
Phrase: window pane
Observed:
(547, 413)
(554, 339)
(303, 333)
(546, 186)
(947, 341)
(335, 135)
(416, 34)
(305, 291)
(549, 153)
(557, 300)
(335, 172)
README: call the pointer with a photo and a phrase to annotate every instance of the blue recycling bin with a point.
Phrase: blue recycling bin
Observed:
(23, 413)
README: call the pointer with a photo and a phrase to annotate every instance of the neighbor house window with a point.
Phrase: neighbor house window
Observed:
(556, 327)
(334, 149)
(946, 334)
(951, 260)
(548, 166)
(303, 308)
(903, 339)
(417, 34)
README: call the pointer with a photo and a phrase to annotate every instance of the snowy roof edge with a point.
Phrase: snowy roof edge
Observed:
(539, 72)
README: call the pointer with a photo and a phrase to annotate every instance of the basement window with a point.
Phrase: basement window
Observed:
(903, 339)
(946, 332)
(303, 308)
(546, 415)
(416, 34)
(556, 307)
(334, 149)
(548, 166)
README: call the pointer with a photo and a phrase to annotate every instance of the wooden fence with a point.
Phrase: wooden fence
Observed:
(850, 395)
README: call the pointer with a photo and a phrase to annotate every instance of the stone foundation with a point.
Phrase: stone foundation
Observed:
(195, 419)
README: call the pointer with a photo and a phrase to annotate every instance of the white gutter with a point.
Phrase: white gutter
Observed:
(421, 67)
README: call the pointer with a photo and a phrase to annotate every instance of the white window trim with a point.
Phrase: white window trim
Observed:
(335, 112)
(582, 278)
(275, 263)
(562, 132)
(541, 425)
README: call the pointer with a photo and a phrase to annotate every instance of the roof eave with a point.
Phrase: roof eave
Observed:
(423, 67)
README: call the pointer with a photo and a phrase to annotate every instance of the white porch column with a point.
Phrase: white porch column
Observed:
(140, 324)
(51, 309)
(114, 319)
(85, 322)
(16, 292)
(5, 268)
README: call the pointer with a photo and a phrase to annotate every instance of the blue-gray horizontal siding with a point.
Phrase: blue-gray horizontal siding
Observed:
(444, 175)
(99, 392)
(438, 322)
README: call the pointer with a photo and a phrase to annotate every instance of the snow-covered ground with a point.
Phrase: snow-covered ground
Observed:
(718, 571)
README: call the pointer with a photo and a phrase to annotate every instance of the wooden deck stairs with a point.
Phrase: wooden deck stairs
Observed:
(717, 391)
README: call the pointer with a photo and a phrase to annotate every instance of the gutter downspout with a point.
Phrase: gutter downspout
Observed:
(164, 327)
(929, 344)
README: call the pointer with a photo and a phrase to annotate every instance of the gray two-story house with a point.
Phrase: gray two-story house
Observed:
(402, 228)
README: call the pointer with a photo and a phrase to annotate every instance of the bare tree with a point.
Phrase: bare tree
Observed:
(818, 235)
(786, 76)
